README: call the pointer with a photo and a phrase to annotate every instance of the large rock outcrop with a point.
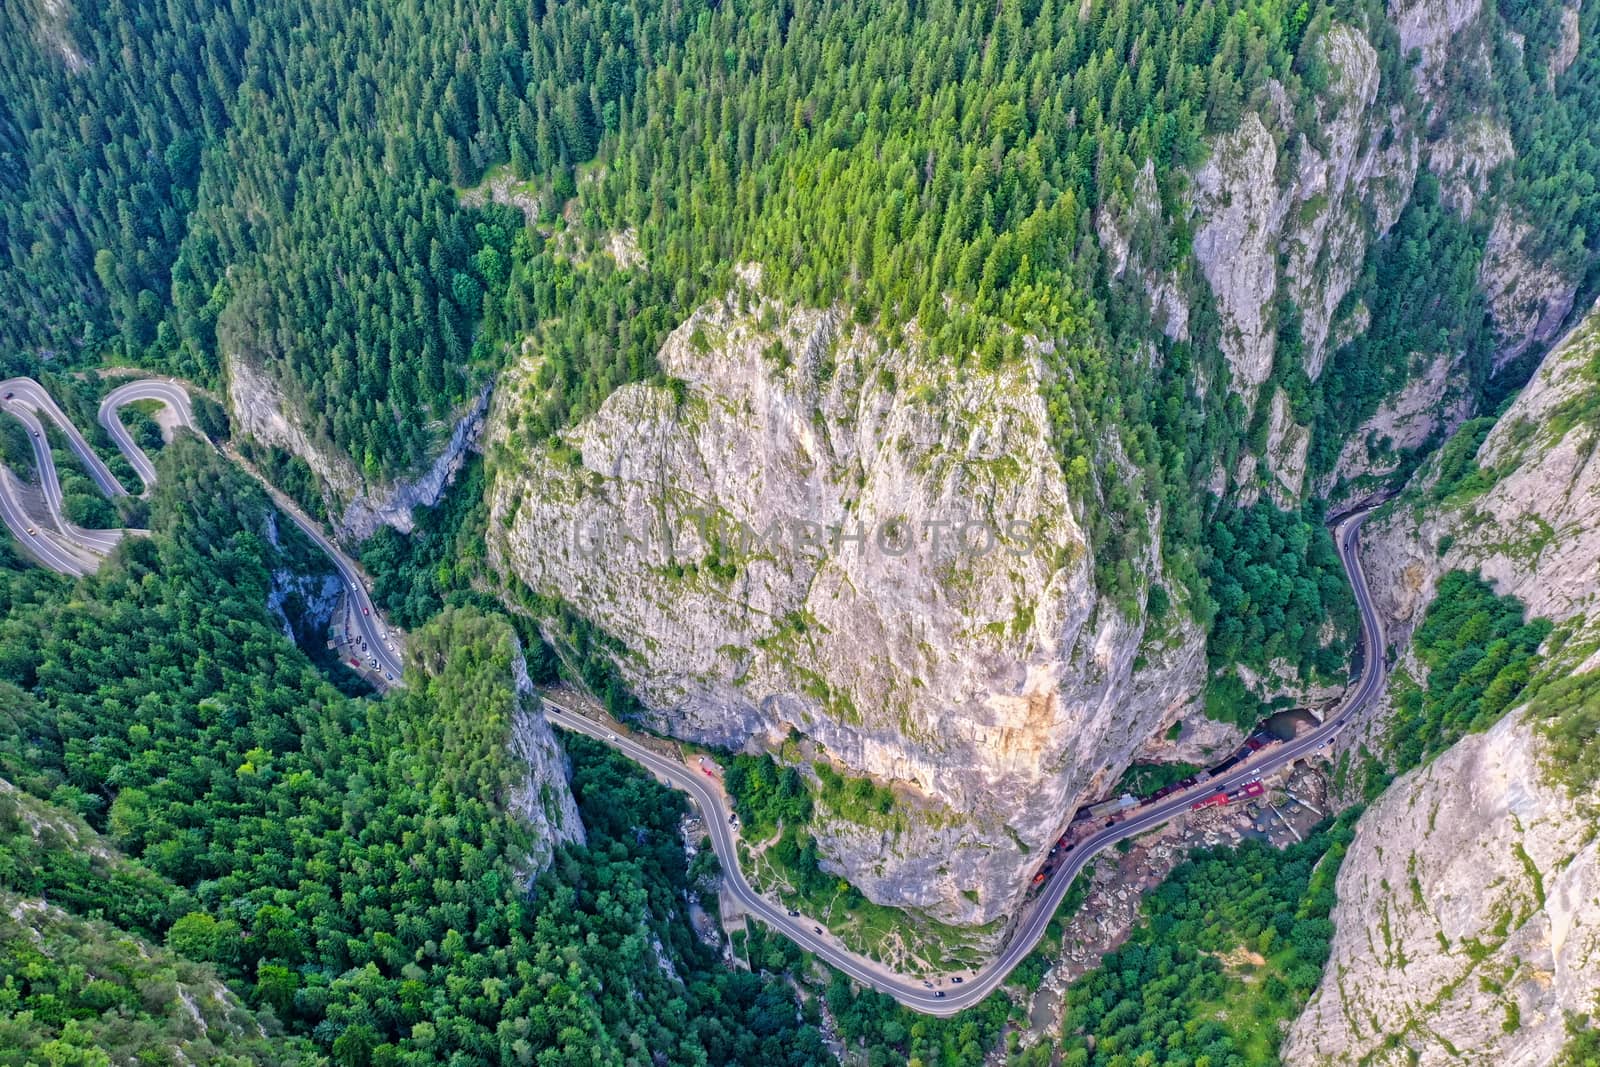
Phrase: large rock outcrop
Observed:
(1289, 205)
(463, 651)
(1432, 28)
(543, 800)
(1236, 195)
(812, 532)
(698, 523)
(1530, 297)
(1468, 919)
(1310, 221)
(1469, 904)
(1533, 532)
(1348, 191)
(1435, 400)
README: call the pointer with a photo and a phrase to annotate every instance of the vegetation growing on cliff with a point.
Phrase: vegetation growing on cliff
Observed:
(1280, 594)
(1142, 779)
(413, 574)
(1566, 706)
(948, 179)
(767, 797)
(75, 990)
(952, 178)
(776, 801)
(1458, 462)
(82, 971)
(1420, 286)
(777, 805)
(1583, 1043)
(1479, 652)
(225, 187)
(1558, 147)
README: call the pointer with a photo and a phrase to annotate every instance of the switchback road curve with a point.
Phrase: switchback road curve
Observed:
(74, 551)
(59, 544)
(910, 991)
(69, 550)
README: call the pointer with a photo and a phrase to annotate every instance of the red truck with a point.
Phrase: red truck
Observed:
(1215, 800)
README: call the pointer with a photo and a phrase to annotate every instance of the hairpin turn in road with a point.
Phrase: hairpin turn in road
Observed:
(69, 549)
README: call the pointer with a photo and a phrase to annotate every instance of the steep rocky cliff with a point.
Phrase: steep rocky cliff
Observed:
(462, 651)
(1468, 919)
(706, 524)
(812, 532)
(1469, 903)
(543, 799)
(1435, 399)
(1289, 206)
(358, 503)
(1528, 516)
(1308, 214)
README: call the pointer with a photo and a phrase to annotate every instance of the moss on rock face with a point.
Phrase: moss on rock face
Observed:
(904, 580)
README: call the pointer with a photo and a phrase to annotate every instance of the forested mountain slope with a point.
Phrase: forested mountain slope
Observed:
(82, 976)
(380, 880)
(239, 167)
(1140, 277)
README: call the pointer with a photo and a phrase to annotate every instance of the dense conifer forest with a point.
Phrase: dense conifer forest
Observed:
(348, 866)
(288, 187)
(376, 205)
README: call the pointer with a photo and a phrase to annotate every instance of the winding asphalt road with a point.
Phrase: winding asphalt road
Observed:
(910, 991)
(374, 631)
(60, 545)
(174, 396)
(71, 550)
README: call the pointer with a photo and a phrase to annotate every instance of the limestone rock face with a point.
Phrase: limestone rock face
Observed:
(1345, 188)
(1288, 207)
(543, 800)
(1469, 904)
(314, 597)
(724, 528)
(1431, 26)
(359, 506)
(1117, 225)
(1466, 156)
(1529, 297)
(1236, 194)
(1316, 211)
(1200, 741)
(1345, 194)
(1568, 49)
(778, 545)
(1433, 400)
(1536, 531)
(1286, 452)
